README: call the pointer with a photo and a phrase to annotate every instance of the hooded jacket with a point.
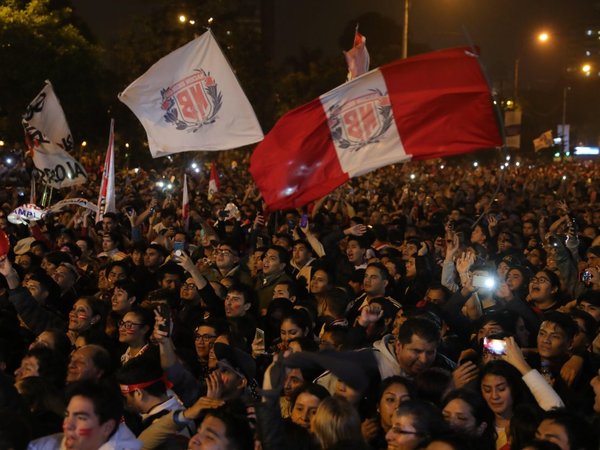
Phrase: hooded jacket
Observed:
(122, 439)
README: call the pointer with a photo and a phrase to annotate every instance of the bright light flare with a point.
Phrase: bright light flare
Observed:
(586, 69)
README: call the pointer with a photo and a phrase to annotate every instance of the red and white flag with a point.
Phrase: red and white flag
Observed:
(106, 198)
(428, 106)
(213, 182)
(357, 57)
(191, 100)
(185, 207)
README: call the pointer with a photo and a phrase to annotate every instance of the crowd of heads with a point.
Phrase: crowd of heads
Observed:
(423, 306)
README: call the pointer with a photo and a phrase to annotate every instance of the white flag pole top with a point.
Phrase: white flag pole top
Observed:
(191, 100)
(50, 139)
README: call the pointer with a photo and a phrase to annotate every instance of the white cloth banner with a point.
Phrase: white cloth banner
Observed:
(191, 100)
(68, 202)
(50, 139)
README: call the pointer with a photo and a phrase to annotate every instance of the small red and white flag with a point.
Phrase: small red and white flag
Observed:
(213, 182)
(191, 100)
(106, 198)
(427, 106)
(185, 207)
(357, 57)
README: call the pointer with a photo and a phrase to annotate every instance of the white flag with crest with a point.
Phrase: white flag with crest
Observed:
(191, 100)
(48, 136)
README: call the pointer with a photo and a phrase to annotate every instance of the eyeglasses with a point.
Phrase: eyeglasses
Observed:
(204, 337)
(188, 286)
(129, 324)
(540, 280)
(223, 252)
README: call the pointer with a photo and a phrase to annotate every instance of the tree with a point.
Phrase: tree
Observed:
(39, 42)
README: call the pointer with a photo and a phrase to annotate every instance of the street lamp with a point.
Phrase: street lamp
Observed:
(586, 68)
(543, 36)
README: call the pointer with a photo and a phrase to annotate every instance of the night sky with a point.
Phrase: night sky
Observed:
(504, 29)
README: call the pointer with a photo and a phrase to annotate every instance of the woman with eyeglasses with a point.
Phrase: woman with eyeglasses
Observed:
(544, 290)
(412, 423)
(134, 331)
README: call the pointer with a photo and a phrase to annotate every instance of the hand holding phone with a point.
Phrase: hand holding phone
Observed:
(258, 344)
(494, 346)
(165, 312)
(304, 221)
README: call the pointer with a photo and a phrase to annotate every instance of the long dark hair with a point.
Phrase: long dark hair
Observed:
(518, 389)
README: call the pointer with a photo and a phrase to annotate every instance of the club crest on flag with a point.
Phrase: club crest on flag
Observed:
(192, 102)
(360, 121)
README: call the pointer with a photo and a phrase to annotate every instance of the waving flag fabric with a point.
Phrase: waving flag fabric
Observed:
(543, 141)
(428, 106)
(106, 198)
(191, 100)
(49, 138)
(213, 182)
(357, 57)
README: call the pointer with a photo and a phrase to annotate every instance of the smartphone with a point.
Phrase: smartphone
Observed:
(178, 245)
(291, 225)
(259, 335)
(494, 346)
(304, 220)
(585, 276)
(165, 313)
(484, 281)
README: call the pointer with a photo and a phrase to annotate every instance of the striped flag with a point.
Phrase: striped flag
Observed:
(213, 182)
(106, 198)
(428, 106)
(357, 57)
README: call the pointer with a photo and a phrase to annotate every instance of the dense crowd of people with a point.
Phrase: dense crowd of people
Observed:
(428, 305)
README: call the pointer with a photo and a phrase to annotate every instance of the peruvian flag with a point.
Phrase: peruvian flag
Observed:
(357, 57)
(213, 182)
(106, 198)
(185, 207)
(428, 106)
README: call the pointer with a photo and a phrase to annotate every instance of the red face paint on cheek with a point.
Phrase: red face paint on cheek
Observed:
(84, 432)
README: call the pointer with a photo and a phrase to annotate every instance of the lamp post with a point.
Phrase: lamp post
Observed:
(543, 37)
